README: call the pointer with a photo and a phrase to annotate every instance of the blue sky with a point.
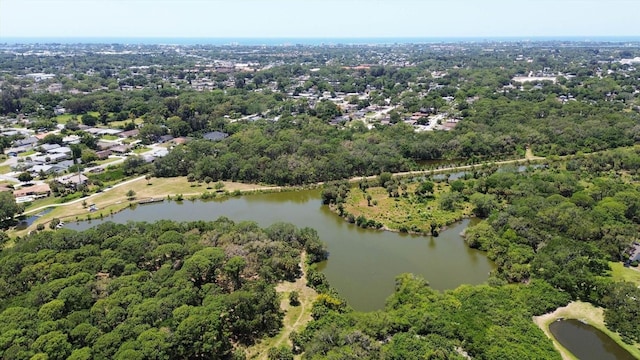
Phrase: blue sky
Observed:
(313, 18)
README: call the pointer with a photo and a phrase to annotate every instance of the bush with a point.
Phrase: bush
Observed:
(54, 223)
(294, 298)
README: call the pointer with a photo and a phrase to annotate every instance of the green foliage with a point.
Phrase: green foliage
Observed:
(280, 353)
(294, 298)
(622, 311)
(418, 322)
(165, 290)
(8, 207)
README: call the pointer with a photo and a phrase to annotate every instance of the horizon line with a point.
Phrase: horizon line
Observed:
(302, 40)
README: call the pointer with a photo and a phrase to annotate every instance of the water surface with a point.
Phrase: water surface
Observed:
(586, 342)
(362, 263)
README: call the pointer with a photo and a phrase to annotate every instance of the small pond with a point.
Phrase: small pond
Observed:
(586, 342)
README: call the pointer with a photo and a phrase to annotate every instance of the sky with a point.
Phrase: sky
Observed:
(318, 19)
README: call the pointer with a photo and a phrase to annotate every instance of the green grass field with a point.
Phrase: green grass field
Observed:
(621, 273)
(27, 153)
(109, 137)
(117, 124)
(64, 118)
(141, 150)
(404, 212)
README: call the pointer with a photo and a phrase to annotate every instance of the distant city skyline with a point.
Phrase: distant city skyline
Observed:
(317, 19)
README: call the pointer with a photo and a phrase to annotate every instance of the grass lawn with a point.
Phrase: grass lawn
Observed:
(115, 199)
(621, 273)
(106, 161)
(64, 118)
(585, 312)
(4, 169)
(27, 153)
(43, 202)
(408, 212)
(123, 123)
(109, 137)
(141, 150)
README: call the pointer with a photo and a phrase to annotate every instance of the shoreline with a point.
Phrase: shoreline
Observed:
(584, 312)
(122, 202)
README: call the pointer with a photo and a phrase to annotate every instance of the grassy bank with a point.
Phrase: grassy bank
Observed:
(587, 313)
(407, 211)
(115, 199)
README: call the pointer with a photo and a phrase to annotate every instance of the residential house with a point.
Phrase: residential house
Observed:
(30, 141)
(71, 139)
(181, 140)
(103, 154)
(215, 136)
(60, 150)
(105, 145)
(5, 188)
(129, 134)
(47, 147)
(37, 169)
(72, 180)
(165, 138)
(120, 149)
(37, 191)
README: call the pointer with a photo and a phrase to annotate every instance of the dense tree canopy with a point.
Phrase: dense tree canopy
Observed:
(163, 290)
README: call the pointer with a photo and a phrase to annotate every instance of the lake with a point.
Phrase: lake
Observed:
(362, 264)
(586, 342)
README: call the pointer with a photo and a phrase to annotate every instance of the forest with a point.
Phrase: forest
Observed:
(165, 290)
(552, 228)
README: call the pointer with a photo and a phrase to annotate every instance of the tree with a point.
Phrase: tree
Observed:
(88, 156)
(25, 177)
(384, 178)
(280, 353)
(131, 194)
(425, 189)
(134, 165)
(233, 268)
(54, 223)
(294, 298)
(89, 120)
(8, 206)
(54, 344)
(4, 238)
(148, 177)
(483, 204)
(623, 310)
(451, 201)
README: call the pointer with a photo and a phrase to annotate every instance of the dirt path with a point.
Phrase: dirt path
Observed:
(296, 317)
